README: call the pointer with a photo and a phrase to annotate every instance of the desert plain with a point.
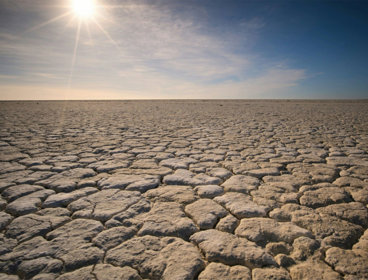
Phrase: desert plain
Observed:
(174, 189)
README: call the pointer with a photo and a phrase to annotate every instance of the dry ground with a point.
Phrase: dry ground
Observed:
(184, 190)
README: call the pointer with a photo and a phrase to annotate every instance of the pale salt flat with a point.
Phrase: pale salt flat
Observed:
(225, 189)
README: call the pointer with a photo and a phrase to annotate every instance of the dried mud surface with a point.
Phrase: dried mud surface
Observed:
(223, 189)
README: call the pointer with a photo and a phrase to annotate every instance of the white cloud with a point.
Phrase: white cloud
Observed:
(158, 54)
(173, 44)
(183, 55)
(24, 92)
(138, 85)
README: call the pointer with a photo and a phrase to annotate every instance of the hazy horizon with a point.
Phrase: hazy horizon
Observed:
(168, 49)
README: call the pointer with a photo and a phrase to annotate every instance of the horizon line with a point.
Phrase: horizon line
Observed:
(188, 99)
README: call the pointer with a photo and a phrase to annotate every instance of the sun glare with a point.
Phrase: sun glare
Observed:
(84, 9)
(84, 13)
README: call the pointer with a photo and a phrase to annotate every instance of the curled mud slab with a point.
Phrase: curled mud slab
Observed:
(184, 190)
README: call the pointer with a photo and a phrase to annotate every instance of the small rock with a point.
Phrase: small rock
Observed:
(156, 257)
(207, 180)
(176, 163)
(209, 191)
(104, 204)
(63, 199)
(5, 219)
(345, 161)
(304, 247)
(241, 205)
(188, 178)
(28, 250)
(259, 173)
(292, 180)
(313, 270)
(231, 250)
(86, 183)
(271, 196)
(180, 194)
(332, 231)
(354, 212)
(45, 276)
(348, 262)
(6, 244)
(7, 167)
(284, 213)
(81, 228)
(80, 257)
(14, 192)
(323, 195)
(41, 167)
(100, 271)
(360, 172)
(220, 173)
(84, 273)
(23, 206)
(224, 272)
(28, 226)
(210, 157)
(4, 276)
(270, 273)
(275, 248)
(144, 185)
(262, 230)
(130, 217)
(122, 273)
(63, 185)
(108, 165)
(241, 183)
(12, 156)
(2, 203)
(205, 212)
(358, 194)
(133, 182)
(54, 212)
(144, 164)
(284, 260)
(167, 219)
(110, 238)
(227, 224)
(29, 268)
(181, 177)
(363, 242)
(79, 173)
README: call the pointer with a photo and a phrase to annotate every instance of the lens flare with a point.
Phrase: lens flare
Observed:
(84, 9)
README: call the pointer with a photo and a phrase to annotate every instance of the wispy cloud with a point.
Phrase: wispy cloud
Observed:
(177, 46)
(8, 77)
(30, 92)
(138, 85)
(157, 53)
(271, 84)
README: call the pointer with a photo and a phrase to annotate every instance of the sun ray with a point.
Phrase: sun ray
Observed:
(47, 22)
(114, 6)
(107, 34)
(85, 12)
(74, 54)
(89, 33)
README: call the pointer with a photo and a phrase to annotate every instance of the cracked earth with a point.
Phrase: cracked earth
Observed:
(184, 190)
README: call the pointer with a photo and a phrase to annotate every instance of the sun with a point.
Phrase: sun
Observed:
(84, 9)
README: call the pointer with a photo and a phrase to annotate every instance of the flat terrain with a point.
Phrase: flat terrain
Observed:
(223, 189)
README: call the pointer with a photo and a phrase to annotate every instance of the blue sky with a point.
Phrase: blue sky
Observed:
(184, 49)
